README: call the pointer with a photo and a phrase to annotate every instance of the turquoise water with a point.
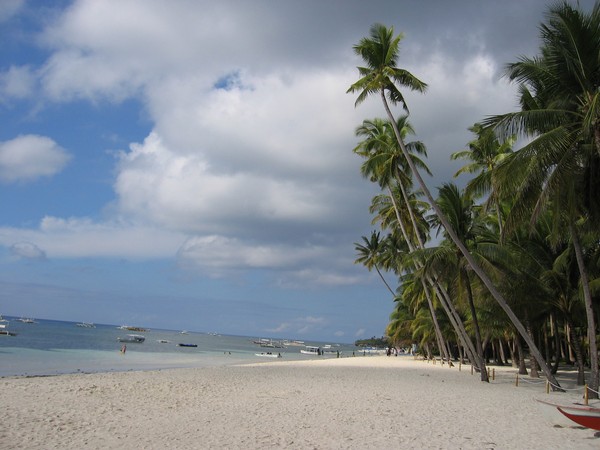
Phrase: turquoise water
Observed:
(51, 347)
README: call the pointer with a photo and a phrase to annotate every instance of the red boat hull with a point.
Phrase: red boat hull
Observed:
(588, 417)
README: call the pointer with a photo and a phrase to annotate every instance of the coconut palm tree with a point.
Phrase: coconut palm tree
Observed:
(369, 253)
(560, 109)
(458, 208)
(380, 53)
(484, 154)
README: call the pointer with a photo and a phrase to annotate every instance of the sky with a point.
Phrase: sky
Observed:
(188, 164)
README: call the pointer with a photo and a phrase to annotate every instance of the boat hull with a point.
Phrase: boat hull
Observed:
(586, 417)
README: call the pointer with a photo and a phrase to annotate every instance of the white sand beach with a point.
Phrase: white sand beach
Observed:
(348, 403)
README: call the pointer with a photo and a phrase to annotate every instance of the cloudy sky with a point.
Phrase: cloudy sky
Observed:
(188, 164)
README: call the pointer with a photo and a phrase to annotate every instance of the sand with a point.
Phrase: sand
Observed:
(349, 403)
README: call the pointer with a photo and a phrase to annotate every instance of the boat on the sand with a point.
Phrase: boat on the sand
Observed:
(566, 415)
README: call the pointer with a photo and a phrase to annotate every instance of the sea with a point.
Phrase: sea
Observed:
(53, 347)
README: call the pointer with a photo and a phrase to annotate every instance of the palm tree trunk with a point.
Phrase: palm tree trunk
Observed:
(589, 312)
(578, 349)
(438, 332)
(476, 268)
(521, 352)
(384, 282)
(478, 342)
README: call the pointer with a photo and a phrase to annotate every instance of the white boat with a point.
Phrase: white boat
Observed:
(269, 355)
(4, 331)
(26, 320)
(163, 341)
(135, 338)
(311, 350)
(86, 325)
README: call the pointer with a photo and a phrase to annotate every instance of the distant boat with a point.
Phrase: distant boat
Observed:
(86, 325)
(187, 345)
(269, 355)
(26, 320)
(184, 332)
(163, 341)
(130, 328)
(311, 350)
(4, 331)
(134, 338)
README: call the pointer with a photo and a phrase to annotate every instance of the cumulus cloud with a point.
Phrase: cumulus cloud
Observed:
(249, 162)
(28, 157)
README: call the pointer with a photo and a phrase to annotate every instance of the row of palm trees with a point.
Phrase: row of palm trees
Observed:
(516, 266)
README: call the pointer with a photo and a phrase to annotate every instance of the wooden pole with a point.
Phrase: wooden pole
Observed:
(517, 381)
(585, 395)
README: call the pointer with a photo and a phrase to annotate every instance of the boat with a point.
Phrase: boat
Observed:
(26, 320)
(311, 350)
(585, 416)
(130, 328)
(86, 325)
(163, 341)
(269, 355)
(187, 345)
(4, 331)
(7, 333)
(134, 338)
(567, 415)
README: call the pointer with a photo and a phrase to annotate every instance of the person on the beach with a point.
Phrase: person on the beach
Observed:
(124, 349)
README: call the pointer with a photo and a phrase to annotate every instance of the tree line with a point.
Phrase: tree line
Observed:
(514, 273)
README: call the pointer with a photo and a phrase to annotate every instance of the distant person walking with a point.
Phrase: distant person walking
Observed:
(123, 349)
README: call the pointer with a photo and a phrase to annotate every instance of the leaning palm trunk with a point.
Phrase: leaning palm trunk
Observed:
(476, 268)
(438, 332)
(484, 375)
(589, 312)
(457, 323)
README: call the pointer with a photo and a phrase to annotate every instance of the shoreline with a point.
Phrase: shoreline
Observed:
(364, 403)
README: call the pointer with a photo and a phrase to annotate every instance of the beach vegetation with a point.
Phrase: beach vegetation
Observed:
(508, 268)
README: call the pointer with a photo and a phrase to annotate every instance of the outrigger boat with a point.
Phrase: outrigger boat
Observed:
(133, 338)
(269, 355)
(584, 415)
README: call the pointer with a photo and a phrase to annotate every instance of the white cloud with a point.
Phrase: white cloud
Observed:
(17, 82)
(28, 157)
(82, 238)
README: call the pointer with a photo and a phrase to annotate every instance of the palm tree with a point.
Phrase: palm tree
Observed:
(369, 254)
(560, 108)
(383, 165)
(458, 208)
(485, 153)
(380, 53)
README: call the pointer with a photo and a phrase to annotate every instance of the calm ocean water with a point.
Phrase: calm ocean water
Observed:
(50, 347)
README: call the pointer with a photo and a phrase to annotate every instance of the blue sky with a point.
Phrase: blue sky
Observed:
(188, 164)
